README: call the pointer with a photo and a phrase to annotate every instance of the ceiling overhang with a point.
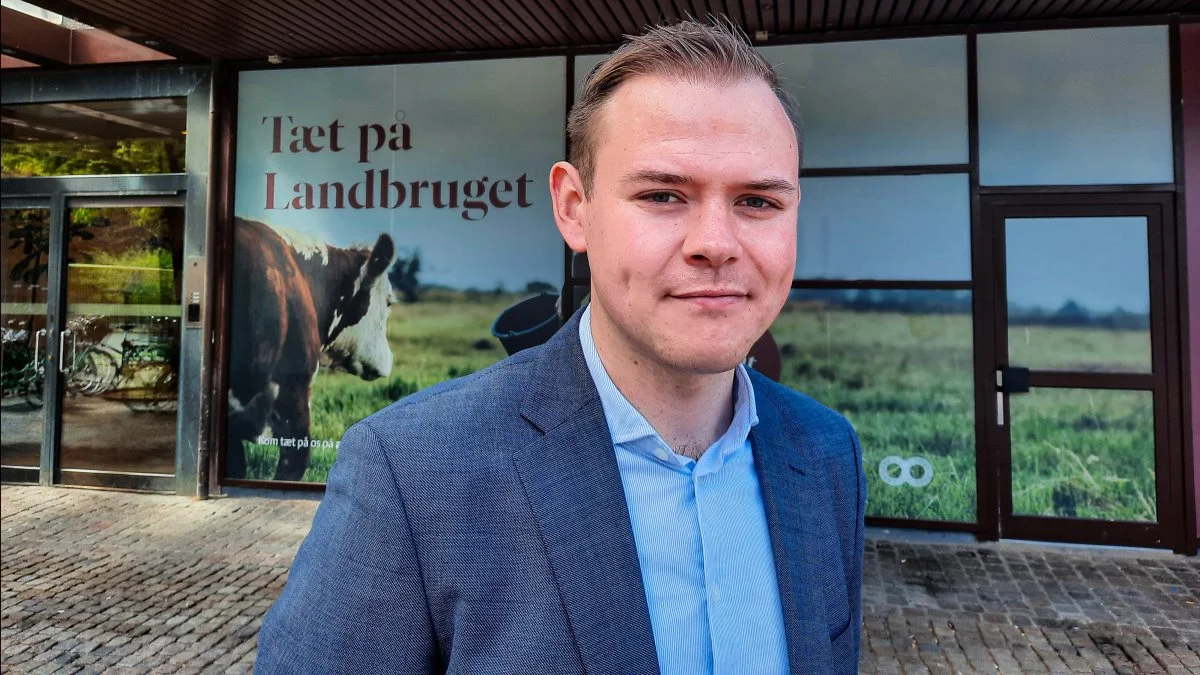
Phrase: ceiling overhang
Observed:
(254, 30)
(28, 40)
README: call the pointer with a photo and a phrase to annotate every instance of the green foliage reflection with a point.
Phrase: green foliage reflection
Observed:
(92, 158)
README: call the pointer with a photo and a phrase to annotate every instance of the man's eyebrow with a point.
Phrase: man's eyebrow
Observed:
(770, 185)
(650, 176)
(668, 178)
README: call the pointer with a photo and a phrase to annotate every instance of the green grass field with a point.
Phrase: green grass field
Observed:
(432, 341)
(904, 380)
(1055, 348)
(1084, 453)
(905, 383)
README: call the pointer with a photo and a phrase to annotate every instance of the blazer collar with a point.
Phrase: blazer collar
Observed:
(573, 486)
(794, 496)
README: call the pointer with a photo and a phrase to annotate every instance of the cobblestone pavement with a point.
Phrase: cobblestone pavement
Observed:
(94, 581)
(1019, 608)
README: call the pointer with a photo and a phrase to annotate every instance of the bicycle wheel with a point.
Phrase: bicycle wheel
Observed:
(34, 390)
(95, 372)
(165, 390)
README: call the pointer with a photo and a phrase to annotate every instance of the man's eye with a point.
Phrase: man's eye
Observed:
(757, 203)
(660, 197)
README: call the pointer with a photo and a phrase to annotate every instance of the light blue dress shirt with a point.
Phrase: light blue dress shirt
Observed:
(702, 538)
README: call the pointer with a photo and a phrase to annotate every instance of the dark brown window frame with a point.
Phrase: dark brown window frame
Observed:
(986, 527)
(1163, 381)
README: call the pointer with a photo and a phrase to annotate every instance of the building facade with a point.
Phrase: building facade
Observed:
(213, 268)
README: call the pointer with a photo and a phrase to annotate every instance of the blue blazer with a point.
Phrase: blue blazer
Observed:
(480, 527)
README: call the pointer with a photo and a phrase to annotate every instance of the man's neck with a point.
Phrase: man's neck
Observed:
(689, 410)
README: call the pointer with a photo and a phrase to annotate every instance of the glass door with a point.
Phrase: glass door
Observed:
(119, 349)
(24, 293)
(1080, 390)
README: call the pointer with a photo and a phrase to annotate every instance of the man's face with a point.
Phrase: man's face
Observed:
(690, 228)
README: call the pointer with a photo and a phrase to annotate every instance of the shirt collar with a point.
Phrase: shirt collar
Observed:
(629, 427)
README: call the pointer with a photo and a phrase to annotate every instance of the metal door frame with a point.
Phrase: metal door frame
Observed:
(1165, 381)
(61, 194)
(43, 474)
(198, 188)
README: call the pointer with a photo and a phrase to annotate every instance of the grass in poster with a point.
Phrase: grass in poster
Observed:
(448, 334)
(904, 380)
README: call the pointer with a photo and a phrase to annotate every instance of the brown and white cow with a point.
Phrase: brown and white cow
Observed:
(294, 300)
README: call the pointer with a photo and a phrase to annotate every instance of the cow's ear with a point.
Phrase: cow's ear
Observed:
(381, 256)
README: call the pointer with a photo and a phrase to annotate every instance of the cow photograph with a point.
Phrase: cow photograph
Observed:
(383, 223)
(323, 335)
(304, 302)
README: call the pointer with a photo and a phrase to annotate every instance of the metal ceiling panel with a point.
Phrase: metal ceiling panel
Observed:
(299, 29)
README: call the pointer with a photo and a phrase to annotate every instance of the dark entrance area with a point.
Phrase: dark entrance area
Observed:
(97, 399)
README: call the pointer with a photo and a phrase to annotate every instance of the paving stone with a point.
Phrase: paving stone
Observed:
(109, 582)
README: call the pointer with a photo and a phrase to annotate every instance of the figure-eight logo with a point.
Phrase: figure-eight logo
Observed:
(906, 471)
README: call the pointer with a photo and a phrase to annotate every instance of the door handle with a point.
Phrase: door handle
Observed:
(1013, 380)
(63, 365)
(1009, 380)
(37, 348)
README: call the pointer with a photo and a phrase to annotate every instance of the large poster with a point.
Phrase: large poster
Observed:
(386, 216)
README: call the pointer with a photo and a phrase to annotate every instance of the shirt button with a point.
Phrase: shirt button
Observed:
(716, 593)
(662, 454)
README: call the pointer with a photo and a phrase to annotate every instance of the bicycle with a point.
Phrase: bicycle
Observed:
(28, 379)
(141, 375)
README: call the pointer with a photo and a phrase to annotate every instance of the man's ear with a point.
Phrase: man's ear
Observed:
(566, 191)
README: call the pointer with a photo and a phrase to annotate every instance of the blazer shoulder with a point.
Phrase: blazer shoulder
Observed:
(804, 414)
(493, 392)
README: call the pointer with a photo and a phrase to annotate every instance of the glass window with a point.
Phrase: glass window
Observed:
(410, 202)
(138, 136)
(879, 103)
(1088, 106)
(898, 364)
(583, 67)
(122, 339)
(885, 227)
(1078, 293)
(1084, 453)
(25, 238)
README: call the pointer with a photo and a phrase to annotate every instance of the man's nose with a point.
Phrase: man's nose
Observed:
(711, 236)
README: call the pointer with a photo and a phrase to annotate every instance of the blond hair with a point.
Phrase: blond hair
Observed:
(717, 52)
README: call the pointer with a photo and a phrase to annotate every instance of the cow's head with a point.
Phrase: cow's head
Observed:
(358, 337)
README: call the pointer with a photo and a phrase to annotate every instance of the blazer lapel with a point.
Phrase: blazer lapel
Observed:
(573, 485)
(793, 495)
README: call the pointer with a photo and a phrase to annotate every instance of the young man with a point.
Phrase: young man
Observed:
(626, 498)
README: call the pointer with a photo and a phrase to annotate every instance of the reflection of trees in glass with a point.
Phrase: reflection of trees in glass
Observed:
(93, 158)
(138, 261)
(31, 234)
(142, 249)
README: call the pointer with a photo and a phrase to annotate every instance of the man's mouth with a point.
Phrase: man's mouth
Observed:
(711, 293)
(711, 298)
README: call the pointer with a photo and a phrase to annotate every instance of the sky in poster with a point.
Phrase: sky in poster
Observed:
(499, 119)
